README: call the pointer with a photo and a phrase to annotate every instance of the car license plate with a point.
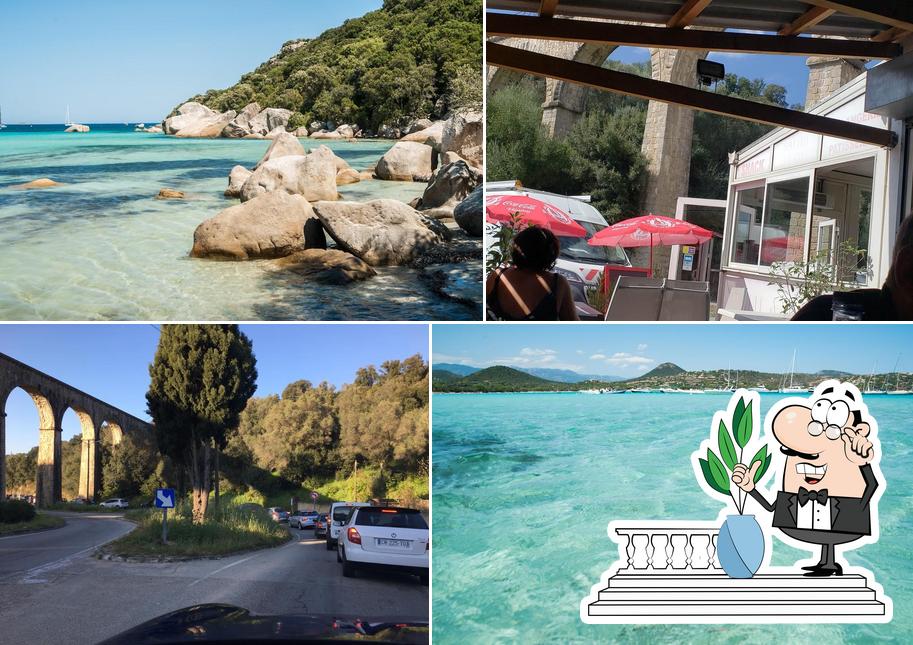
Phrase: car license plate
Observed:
(399, 544)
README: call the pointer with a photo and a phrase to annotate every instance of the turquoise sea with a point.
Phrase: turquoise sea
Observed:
(524, 486)
(102, 247)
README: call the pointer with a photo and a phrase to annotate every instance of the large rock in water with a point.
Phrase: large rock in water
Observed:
(277, 118)
(313, 176)
(197, 120)
(463, 135)
(240, 126)
(269, 226)
(324, 151)
(236, 178)
(380, 232)
(44, 182)
(328, 266)
(406, 161)
(430, 136)
(468, 213)
(450, 185)
(283, 145)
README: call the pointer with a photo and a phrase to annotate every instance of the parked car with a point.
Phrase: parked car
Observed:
(278, 514)
(320, 526)
(387, 538)
(115, 502)
(339, 515)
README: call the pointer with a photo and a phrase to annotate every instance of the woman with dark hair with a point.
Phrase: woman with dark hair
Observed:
(529, 289)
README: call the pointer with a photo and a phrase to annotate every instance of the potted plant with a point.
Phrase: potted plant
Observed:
(740, 546)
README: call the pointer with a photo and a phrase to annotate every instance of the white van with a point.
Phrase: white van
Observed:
(578, 261)
(337, 518)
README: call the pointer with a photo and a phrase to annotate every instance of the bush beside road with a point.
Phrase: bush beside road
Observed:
(231, 530)
(39, 522)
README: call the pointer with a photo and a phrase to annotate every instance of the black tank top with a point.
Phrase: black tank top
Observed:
(545, 309)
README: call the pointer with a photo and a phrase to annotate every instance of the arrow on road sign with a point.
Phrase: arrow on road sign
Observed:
(164, 498)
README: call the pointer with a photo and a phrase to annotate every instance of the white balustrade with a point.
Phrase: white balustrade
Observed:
(668, 550)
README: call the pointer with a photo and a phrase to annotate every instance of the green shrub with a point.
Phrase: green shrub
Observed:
(16, 510)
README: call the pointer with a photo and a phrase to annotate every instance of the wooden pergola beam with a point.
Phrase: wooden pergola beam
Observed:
(897, 13)
(646, 88)
(690, 10)
(547, 8)
(808, 19)
(591, 31)
(892, 35)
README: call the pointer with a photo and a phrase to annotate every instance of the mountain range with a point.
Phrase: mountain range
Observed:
(502, 378)
(547, 373)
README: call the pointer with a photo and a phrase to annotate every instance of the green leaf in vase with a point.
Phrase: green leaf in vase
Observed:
(726, 447)
(718, 471)
(710, 479)
(744, 429)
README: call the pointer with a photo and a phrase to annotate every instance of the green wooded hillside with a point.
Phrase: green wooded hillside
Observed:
(409, 59)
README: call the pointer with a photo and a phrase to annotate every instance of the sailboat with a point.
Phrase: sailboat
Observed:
(792, 389)
(869, 382)
(68, 123)
(1, 119)
(897, 389)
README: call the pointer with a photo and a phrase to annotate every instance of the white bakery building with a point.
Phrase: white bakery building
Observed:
(793, 195)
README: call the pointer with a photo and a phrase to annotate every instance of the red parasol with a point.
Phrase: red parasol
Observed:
(500, 208)
(651, 230)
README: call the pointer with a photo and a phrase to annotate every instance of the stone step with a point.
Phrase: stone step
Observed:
(771, 594)
(720, 580)
(751, 609)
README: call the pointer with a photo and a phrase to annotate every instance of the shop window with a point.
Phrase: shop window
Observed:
(783, 233)
(746, 235)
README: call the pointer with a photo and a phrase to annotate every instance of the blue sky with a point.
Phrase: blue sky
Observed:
(111, 361)
(630, 350)
(115, 61)
(788, 71)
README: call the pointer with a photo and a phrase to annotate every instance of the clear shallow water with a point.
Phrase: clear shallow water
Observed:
(102, 247)
(524, 486)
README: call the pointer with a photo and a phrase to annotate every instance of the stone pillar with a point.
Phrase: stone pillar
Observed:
(563, 106)
(2, 456)
(826, 74)
(667, 145)
(47, 485)
(88, 470)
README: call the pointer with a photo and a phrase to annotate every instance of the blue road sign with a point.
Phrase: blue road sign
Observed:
(164, 498)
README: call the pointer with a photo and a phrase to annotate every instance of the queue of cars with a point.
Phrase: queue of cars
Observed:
(366, 536)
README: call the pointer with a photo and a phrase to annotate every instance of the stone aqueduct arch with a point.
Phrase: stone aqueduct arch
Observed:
(52, 399)
(668, 129)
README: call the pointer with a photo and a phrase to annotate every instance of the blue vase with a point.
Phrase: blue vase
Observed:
(740, 546)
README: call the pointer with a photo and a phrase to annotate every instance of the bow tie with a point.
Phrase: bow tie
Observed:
(817, 496)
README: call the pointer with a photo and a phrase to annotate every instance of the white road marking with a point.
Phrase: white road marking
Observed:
(30, 575)
(227, 566)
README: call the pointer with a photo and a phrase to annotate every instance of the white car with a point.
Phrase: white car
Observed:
(115, 502)
(386, 538)
(303, 519)
(339, 516)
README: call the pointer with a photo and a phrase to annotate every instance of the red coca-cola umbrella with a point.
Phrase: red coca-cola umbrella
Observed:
(500, 208)
(650, 230)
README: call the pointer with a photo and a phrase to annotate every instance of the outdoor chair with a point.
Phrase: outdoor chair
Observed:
(635, 298)
(685, 300)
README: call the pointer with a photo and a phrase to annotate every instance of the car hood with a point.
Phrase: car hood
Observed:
(215, 623)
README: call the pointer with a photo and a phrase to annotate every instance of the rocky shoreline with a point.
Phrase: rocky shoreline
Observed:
(290, 211)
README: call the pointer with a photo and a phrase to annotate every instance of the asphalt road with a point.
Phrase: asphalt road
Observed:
(52, 590)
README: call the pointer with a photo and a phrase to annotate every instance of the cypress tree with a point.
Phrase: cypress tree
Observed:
(201, 379)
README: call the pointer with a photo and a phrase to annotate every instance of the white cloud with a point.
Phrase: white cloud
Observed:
(535, 351)
(580, 351)
(598, 357)
(624, 360)
(641, 347)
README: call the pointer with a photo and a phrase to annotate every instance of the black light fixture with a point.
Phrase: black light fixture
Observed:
(709, 71)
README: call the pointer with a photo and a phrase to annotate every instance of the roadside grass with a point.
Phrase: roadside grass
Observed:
(230, 530)
(38, 523)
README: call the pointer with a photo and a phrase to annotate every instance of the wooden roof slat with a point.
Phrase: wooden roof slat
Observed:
(690, 10)
(892, 35)
(547, 8)
(500, 24)
(896, 13)
(808, 19)
(601, 78)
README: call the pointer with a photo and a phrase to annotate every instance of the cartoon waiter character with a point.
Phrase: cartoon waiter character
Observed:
(829, 479)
